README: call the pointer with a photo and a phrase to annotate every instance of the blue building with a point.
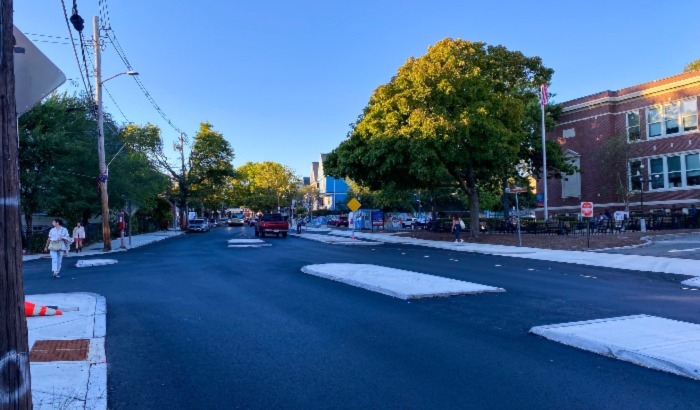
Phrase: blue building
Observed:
(333, 191)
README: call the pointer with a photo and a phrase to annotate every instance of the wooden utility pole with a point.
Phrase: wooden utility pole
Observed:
(15, 381)
(104, 197)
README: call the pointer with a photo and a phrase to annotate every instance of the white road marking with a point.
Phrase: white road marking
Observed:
(684, 250)
(654, 342)
(85, 263)
(243, 241)
(395, 282)
(335, 240)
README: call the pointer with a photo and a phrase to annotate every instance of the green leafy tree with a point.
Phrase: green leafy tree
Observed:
(265, 185)
(57, 155)
(58, 163)
(451, 117)
(148, 140)
(210, 166)
(692, 66)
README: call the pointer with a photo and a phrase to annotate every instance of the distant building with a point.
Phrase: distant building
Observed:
(659, 119)
(333, 191)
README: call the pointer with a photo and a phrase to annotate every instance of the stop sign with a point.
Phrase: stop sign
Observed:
(587, 209)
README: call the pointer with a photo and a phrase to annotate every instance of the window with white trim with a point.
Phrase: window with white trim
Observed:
(671, 118)
(656, 173)
(635, 174)
(675, 176)
(675, 171)
(633, 126)
(654, 122)
(690, 114)
(692, 169)
(571, 183)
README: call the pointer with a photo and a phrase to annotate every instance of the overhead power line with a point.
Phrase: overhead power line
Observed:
(75, 51)
(120, 51)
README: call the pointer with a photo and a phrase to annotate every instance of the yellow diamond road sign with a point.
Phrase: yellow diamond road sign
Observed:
(354, 204)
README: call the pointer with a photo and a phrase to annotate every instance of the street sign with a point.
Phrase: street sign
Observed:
(587, 209)
(35, 75)
(354, 204)
(515, 190)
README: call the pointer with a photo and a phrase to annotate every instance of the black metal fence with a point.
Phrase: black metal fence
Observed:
(653, 222)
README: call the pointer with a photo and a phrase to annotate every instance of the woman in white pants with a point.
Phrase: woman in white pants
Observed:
(58, 236)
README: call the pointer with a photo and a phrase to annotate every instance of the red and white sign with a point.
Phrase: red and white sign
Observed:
(587, 209)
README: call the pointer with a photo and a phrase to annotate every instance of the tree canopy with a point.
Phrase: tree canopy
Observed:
(210, 166)
(453, 117)
(264, 186)
(692, 66)
(58, 162)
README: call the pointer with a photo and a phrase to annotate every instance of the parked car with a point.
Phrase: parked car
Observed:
(339, 221)
(199, 225)
(214, 223)
(409, 223)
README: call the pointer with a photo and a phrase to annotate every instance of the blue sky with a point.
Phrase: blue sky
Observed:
(281, 80)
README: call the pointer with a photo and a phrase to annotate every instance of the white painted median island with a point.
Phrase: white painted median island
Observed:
(398, 283)
(650, 341)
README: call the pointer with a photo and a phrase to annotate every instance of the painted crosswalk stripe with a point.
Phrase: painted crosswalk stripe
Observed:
(398, 283)
(650, 341)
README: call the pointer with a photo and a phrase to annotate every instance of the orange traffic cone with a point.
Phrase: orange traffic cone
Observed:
(31, 309)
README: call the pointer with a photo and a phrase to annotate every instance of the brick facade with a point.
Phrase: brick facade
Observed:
(587, 122)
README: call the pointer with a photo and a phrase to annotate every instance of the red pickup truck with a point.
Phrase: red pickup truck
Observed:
(272, 224)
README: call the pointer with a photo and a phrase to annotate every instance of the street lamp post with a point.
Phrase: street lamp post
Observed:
(643, 181)
(106, 236)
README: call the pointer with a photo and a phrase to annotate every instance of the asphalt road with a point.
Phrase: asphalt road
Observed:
(194, 324)
(668, 246)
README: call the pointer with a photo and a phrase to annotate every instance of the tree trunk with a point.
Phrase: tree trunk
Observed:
(505, 201)
(473, 195)
(15, 381)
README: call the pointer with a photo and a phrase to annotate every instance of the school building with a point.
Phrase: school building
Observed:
(655, 168)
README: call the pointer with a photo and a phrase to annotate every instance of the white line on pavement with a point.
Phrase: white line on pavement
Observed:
(684, 250)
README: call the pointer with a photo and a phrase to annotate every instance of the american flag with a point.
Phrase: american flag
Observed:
(103, 176)
(544, 95)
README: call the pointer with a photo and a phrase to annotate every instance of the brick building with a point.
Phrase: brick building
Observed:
(656, 161)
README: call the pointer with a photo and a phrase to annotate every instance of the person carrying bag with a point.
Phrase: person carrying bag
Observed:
(57, 243)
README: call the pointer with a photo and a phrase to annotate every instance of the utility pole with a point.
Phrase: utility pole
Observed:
(183, 188)
(106, 236)
(15, 380)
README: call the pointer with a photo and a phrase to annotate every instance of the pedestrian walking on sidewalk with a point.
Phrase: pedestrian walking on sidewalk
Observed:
(56, 244)
(78, 237)
(457, 226)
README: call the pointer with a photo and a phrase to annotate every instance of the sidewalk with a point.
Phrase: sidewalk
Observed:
(67, 352)
(96, 248)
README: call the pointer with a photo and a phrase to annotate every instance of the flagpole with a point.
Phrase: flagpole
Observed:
(544, 153)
